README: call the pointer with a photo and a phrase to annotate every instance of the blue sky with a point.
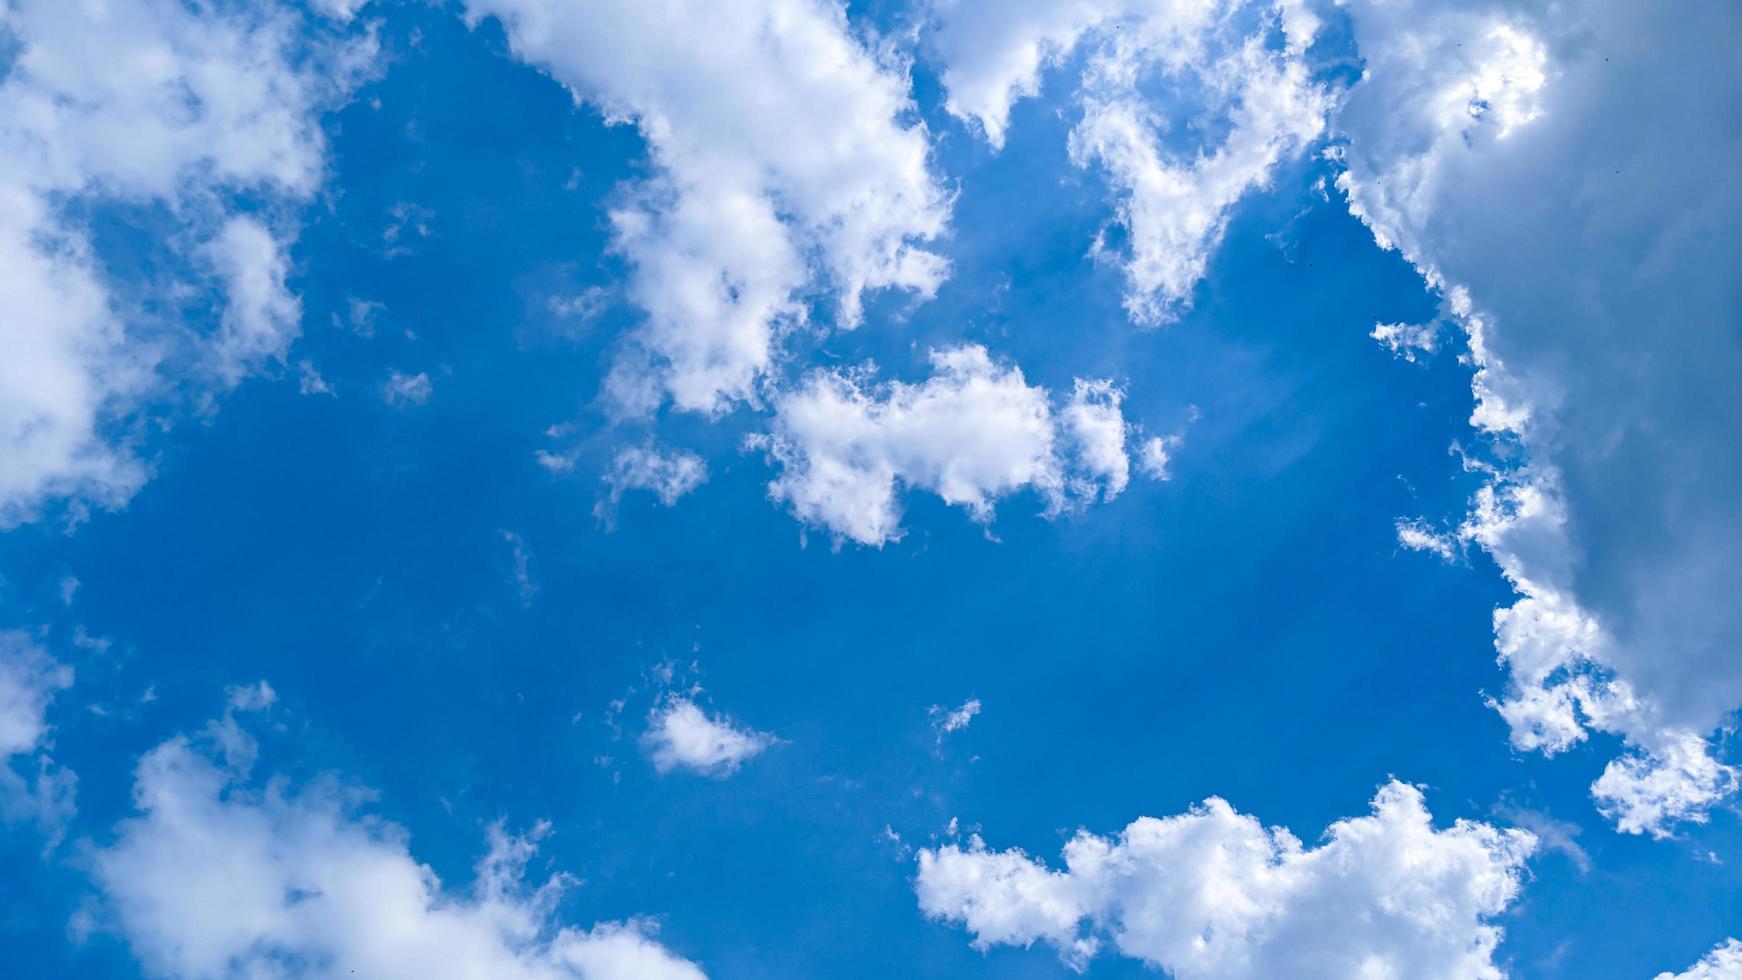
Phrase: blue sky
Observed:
(370, 399)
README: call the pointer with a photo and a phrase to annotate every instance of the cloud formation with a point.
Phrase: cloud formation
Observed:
(220, 875)
(786, 160)
(975, 431)
(1722, 963)
(667, 475)
(1600, 318)
(680, 735)
(32, 787)
(155, 105)
(1212, 893)
(1215, 60)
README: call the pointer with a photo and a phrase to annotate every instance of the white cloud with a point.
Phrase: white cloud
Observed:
(557, 463)
(522, 555)
(29, 678)
(309, 380)
(262, 317)
(32, 787)
(680, 735)
(1155, 456)
(1418, 535)
(1724, 962)
(785, 160)
(218, 876)
(1212, 893)
(947, 720)
(1590, 266)
(149, 103)
(401, 389)
(1676, 782)
(1094, 432)
(1174, 204)
(1173, 199)
(973, 432)
(1406, 339)
(667, 475)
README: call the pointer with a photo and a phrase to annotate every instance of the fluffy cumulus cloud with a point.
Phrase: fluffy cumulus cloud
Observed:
(786, 161)
(1240, 64)
(1589, 266)
(1212, 893)
(151, 104)
(680, 735)
(1724, 962)
(973, 432)
(221, 876)
(32, 787)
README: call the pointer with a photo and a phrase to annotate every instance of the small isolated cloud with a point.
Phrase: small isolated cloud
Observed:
(1155, 456)
(407, 224)
(1407, 340)
(1418, 535)
(668, 475)
(1724, 962)
(309, 380)
(975, 431)
(262, 316)
(401, 390)
(220, 875)
(251, 697)
(583, 306)
(360, 315)
(680, 735)
(1213, 893)
(522, 556)
(947, 720)
(557, 463)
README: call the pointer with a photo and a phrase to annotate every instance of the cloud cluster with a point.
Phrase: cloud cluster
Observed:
(786, 160)
(1239, 67)
(220, 876)
(157, 106)
(973, 432)
(1212, 893)
(1589, 265)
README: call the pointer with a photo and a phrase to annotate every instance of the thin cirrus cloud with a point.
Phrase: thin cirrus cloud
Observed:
(221, 874)
(1212, 893)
